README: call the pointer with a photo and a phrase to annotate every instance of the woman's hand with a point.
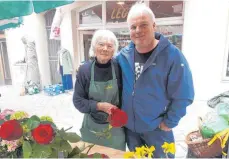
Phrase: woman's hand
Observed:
(105, 107)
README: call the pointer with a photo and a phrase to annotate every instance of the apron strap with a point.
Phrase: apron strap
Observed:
(113, 71)
(93, 71)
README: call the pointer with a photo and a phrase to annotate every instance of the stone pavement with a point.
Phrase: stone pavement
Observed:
(65, 115)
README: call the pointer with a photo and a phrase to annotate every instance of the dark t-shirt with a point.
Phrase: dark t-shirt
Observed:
(139, 61)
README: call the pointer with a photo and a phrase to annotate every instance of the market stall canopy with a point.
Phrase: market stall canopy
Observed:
(11, 9)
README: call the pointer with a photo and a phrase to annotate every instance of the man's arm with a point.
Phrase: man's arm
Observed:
(180, 90)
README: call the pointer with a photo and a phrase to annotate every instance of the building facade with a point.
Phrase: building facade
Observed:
(199, 28)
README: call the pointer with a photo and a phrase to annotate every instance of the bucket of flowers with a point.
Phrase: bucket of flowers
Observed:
(24, 136)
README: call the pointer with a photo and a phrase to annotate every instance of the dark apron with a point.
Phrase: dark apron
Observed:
(102, 92)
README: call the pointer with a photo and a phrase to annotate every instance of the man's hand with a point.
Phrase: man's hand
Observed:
(163, 127)
(105, 107)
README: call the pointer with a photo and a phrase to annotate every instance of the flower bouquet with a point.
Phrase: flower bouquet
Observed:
(22, 136)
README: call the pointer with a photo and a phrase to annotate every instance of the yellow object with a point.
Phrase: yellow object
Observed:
(18, 115)
(46, 118)
(225, 134)
(141, 152)
(110, 127)
(129, 155)
(150, 151)
(108, 87)
(169, 148)
(25, 128)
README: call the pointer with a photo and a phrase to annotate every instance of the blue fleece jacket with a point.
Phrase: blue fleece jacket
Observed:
(163, 90)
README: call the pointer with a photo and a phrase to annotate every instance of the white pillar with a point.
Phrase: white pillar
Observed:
(67, 37)
(40, 37)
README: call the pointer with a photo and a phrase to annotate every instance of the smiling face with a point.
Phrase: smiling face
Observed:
(104, 50)
(142, 30)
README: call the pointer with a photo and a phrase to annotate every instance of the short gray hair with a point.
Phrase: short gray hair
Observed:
(100, 34)
(139, 8)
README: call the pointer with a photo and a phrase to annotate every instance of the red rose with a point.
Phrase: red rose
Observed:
(102, 155)
(118, 118)
(11, 130)
(43, 134)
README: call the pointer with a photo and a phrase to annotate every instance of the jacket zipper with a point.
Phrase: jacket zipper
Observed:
(133, 93)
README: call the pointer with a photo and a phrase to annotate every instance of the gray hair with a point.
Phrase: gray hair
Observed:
(100, 34)
(139, 8)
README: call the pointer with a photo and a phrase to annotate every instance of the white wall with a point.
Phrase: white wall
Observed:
(68, 31)
(205, 32)
(16, 51)
(34, 27)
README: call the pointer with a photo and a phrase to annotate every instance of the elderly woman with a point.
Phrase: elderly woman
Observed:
(98, 89)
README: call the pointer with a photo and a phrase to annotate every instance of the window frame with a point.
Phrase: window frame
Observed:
(105, 24)
(85, 8)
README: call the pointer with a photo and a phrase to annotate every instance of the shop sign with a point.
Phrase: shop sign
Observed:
(119, 13)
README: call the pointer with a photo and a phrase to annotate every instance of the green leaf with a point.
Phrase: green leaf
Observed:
(74, 152)
(65, 146)
(62, 132)
(83, 155)
(72, 137)
(41, 151)
(35, 118)
(1, 122)
(7, 117)
(33, 122)
(76, 156)
(27, 149)
(109, 136)
(97, 155)
(56, 143)
(54, 154)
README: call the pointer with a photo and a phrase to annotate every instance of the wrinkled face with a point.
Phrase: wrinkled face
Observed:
(142, 29)
(104, 50)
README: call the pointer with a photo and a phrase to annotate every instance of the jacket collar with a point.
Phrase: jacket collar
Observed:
(128, 52)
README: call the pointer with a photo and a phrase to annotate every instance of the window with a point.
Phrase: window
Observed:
(173, 33)
(123, 37)
(165, 9)
(116, 12)
(91, 16)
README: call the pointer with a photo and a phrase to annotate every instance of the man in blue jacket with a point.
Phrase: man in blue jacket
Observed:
(157, 83)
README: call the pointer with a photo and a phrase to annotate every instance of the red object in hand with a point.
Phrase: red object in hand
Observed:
(43, 134)
(118, 118)
(11, 130)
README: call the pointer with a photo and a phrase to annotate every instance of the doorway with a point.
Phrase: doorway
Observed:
(5, 75)
(85, 39)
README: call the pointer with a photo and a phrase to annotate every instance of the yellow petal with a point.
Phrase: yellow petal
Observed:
(129, 155)
(152, 149)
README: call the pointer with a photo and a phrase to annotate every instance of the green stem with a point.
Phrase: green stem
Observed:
(90, 148)
(68, 129)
